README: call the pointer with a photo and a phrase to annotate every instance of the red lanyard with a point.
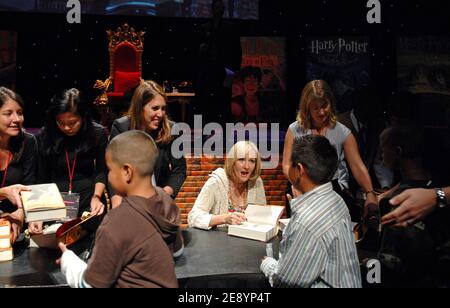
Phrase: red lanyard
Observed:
(71, 172)
(6, 170)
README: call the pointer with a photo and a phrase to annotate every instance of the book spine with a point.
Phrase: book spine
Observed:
(6, 254)
(5, 242)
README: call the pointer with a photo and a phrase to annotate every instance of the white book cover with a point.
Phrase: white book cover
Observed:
(43, 203)
(261, 222)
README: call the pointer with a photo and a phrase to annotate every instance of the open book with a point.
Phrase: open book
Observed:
(261, 223)
(43, 203)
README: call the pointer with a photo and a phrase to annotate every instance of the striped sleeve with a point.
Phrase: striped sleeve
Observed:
(303, 263)
(269, 267)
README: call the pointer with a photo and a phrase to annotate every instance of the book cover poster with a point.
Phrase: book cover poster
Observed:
(8, 45)
(423, 64)
(343, 62)
(258, 91)
(423, 68)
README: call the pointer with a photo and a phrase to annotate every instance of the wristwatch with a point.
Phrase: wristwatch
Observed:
(440, 198)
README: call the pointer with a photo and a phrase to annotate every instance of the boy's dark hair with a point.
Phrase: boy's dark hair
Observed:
(317, 156)
(134, 147)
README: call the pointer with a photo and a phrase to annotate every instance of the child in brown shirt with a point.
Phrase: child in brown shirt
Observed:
(131, 243)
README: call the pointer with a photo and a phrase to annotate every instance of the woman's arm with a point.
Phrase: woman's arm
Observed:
(12, 193)
(17, 220)
(100, 164)
(97, 207)
(287, 151)
(358, 168)
(177, 175)
(200, 216)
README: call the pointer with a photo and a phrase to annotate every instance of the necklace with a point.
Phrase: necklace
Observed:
(317, 131)
(235, 206)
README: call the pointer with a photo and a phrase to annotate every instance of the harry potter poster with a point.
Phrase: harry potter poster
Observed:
(259, 88)
(343, 62)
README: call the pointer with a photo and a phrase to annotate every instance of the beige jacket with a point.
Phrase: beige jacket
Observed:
(213, 199)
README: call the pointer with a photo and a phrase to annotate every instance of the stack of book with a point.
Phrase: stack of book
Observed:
(43, 203)
(6, 252)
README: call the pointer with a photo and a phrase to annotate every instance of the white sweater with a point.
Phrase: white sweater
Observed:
(213, 199)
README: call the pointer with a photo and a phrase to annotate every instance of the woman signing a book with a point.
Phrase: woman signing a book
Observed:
(18, 159)
(72, 154)
(225, 196)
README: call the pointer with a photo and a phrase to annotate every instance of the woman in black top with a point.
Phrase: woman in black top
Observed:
(72, 152)
(148, 112)
(18, 157)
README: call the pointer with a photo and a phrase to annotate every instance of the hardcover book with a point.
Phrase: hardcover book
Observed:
(261, 224)
(6, 254)
(43, 203)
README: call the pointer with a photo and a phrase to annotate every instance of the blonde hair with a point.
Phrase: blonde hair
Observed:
(144, 93)
(315, 90)
(232, 157)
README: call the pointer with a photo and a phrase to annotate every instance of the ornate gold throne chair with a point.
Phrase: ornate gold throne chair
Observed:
(125, 71)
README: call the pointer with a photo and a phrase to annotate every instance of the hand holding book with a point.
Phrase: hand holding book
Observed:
(16, 219)
(12, 193)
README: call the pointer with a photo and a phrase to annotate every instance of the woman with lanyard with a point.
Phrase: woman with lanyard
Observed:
(18, 159)
(72, 154)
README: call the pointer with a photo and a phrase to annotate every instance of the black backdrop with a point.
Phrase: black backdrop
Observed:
(53, 55)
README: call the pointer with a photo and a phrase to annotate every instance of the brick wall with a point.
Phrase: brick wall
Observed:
(198, 169)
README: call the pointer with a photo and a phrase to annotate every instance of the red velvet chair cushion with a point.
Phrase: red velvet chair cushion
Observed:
(124, 81)
(115, 94)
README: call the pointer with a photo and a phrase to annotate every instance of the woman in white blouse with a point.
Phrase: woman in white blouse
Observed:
(225, 196)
